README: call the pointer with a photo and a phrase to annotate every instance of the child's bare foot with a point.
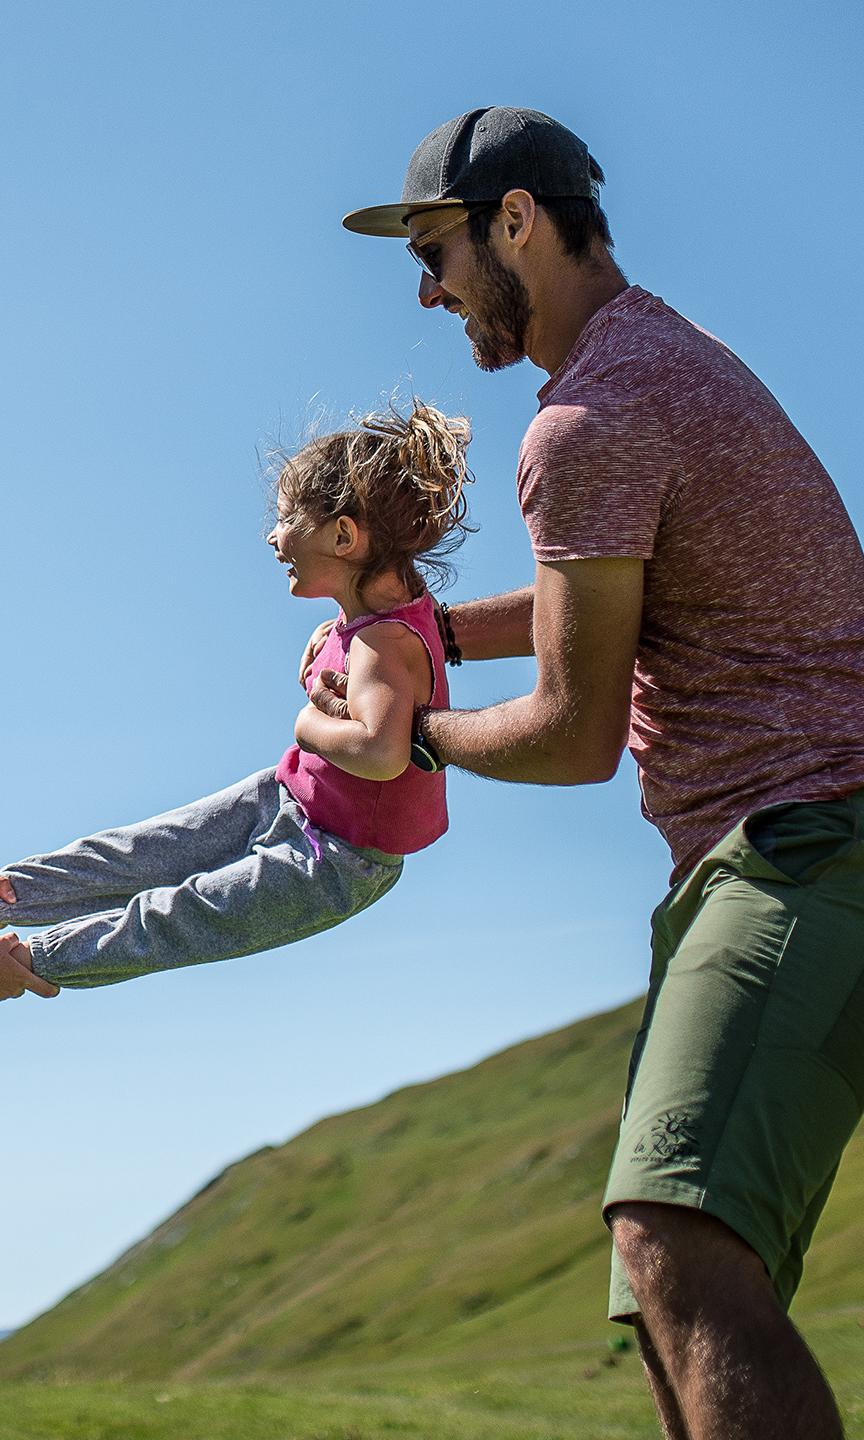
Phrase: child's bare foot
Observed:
(16, 971)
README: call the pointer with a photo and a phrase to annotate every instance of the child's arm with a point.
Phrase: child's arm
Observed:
(389, 675)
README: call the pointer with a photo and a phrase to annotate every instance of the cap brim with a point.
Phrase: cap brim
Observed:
(392, 220)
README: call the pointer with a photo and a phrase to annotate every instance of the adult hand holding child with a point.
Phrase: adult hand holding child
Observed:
(329, 693)
(16, 973)
(314, 646)
(16, 976)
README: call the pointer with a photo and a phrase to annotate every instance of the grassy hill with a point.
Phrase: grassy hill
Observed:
(455, 1221)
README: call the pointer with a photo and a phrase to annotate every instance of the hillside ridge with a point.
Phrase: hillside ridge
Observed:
(454, 1216)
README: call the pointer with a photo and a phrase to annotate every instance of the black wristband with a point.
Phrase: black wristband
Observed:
(423, 752)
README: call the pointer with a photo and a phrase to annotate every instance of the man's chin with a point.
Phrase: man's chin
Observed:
(490, 359)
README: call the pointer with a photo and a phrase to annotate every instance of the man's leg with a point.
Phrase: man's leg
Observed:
(664, 1397)
(729, 1358)
(746, 1082)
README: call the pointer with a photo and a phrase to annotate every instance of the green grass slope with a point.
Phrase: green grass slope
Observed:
(455, 1221)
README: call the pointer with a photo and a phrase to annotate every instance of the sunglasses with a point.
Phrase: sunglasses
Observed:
(431, 264)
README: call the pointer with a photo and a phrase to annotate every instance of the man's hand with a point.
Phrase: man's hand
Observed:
(313, 648)
(329, 692)
(16, 972)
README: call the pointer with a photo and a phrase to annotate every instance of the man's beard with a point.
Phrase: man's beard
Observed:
(500, 340)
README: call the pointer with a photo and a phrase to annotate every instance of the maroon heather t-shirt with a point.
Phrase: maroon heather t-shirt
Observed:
(654, 440)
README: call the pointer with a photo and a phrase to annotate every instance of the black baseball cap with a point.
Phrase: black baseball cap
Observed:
(478, 157)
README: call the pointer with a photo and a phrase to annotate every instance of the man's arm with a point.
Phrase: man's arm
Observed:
(573, 728)
(495, 628)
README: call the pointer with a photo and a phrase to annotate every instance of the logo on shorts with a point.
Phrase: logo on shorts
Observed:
(669, 1137)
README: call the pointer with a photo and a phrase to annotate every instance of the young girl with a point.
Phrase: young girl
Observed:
(301, 847)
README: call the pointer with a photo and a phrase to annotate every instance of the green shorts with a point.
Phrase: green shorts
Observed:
(747, 1074)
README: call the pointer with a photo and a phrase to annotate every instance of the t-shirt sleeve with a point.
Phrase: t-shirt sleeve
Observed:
(593, 477)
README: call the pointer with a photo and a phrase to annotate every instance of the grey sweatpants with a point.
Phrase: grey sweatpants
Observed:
(237, 872)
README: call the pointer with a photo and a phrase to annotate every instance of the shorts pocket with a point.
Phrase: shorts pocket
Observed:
(802, 839)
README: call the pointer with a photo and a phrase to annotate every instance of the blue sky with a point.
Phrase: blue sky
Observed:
(176, 294)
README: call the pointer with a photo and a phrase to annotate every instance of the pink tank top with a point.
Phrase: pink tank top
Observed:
(397, 816)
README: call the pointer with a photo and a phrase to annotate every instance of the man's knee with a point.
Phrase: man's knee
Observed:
(674, 1248)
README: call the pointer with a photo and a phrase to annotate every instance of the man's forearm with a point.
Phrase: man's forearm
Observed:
(525, 740)
(496, 627)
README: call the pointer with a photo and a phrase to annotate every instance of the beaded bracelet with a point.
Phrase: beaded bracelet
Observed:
(452, 653)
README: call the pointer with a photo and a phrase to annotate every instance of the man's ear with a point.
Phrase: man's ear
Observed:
(519, 213)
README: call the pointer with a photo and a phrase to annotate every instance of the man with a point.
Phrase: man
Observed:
(699, 589)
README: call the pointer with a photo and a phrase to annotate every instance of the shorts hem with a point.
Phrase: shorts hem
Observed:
(662, 1192)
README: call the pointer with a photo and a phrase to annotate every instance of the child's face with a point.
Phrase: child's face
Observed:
(316, 562)
(305, 555)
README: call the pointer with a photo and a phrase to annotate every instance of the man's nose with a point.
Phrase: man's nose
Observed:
(430, 293)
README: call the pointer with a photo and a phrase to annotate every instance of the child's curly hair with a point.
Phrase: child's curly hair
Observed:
(401, 477)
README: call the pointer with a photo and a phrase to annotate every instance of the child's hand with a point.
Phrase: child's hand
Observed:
(7, 894)
(16, 971)
(313, 648)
